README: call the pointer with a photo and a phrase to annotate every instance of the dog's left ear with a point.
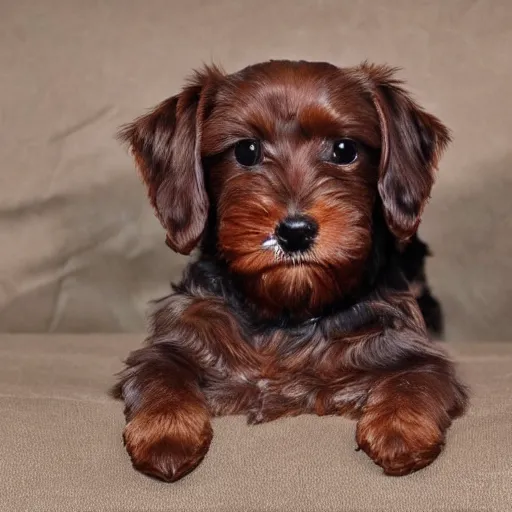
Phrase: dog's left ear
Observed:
(412, 142)
(165, 144)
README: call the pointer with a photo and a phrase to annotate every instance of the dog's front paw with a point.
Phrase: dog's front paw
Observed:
(400, 441)
(168, 445)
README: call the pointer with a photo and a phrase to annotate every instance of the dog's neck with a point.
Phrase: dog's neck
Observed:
(209, 268)
(212, 269)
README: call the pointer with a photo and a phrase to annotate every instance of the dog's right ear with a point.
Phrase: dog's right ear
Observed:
(165, 144)
(412, 143)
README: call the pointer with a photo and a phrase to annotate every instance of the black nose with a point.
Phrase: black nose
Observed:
(296, 233)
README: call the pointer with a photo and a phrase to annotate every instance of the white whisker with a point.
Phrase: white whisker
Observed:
(269, 243)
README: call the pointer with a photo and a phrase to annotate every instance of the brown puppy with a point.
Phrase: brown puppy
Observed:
(300, 183)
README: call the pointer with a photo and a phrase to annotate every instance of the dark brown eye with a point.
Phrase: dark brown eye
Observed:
(344, 152)
(248, 152)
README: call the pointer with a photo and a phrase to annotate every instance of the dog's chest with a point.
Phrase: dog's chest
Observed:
(289, 369)
(283, 354)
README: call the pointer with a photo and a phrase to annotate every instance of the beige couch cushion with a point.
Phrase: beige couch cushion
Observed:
(61, 449)
(80, 249)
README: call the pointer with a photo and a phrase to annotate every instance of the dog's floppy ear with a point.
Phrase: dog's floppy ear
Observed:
(412, 142)
(165, 144)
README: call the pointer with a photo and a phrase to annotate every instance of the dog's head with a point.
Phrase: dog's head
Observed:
(289, 159)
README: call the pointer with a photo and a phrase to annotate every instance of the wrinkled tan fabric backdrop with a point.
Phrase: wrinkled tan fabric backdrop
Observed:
(80, 249)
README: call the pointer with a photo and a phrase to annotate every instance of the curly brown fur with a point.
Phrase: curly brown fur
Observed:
(260, 329)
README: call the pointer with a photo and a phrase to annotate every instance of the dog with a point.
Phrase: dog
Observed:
(302, 186)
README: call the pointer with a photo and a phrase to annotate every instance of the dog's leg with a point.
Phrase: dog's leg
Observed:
(195, 341)
(168, 429)
(403, 423)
